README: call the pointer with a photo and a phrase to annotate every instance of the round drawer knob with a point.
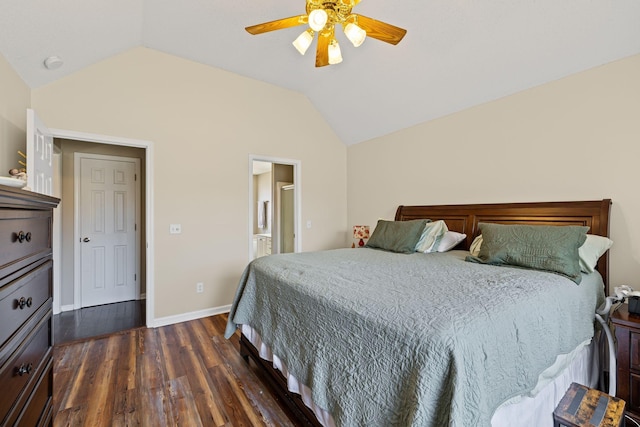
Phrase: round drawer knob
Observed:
(21, 236)
(25, 302)
(25, 369)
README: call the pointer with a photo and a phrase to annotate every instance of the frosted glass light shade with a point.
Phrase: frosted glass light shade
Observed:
(303, 41)
(355, 34)
(335, 56)
(318, 19)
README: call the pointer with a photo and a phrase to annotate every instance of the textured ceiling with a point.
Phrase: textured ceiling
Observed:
(456, 54)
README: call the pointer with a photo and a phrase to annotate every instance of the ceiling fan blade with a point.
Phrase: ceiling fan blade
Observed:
(322, 52)
(381, 30)
(278, 24)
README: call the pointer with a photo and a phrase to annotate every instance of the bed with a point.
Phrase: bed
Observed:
(403, 339)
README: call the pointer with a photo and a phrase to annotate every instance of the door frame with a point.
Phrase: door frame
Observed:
(149, 210)
(77, 235)
(297, 242)
(56, 240)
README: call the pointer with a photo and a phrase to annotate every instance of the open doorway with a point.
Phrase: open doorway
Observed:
(37, 131)
(102, 261)
(274, 206)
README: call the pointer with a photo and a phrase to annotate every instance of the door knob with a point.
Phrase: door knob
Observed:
(86, 239)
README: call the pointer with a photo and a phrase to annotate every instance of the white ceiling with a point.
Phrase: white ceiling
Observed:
(456, 54)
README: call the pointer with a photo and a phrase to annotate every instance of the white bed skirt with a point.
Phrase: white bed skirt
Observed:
(528, 411)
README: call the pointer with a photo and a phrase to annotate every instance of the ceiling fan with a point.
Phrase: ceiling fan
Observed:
(323, 16)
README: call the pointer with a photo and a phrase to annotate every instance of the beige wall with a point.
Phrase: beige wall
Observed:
(574, 139)
(15, 98)
(204, 123)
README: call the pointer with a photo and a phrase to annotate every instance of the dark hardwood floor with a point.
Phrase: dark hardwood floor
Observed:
(185, 374)
(96, 321)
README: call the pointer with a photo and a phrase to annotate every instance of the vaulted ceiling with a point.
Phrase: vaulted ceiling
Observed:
(456, 54)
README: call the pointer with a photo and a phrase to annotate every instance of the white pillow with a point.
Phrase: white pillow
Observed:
(475, 245)
(450, 240)
(431, 235)
(590, 251)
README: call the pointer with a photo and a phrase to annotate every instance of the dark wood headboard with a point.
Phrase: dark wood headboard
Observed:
(465, 218)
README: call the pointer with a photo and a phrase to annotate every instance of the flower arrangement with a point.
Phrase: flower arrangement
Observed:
(20, 173)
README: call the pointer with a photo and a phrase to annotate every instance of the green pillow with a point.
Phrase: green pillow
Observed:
(539, 247)
(397, 236)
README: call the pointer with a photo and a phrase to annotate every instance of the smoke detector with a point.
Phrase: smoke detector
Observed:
(53, 62)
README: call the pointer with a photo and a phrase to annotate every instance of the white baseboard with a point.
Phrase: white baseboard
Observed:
(185, 317)
(69, 307)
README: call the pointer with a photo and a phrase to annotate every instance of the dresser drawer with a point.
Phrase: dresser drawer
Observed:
(21, 298)
(23, 235)
(633, 398)
(19, 375)
(634, 350)
(38, 409)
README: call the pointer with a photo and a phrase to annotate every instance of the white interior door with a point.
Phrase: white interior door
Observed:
(287, 218)
(42, 164)
(39, 155)
(108, 236)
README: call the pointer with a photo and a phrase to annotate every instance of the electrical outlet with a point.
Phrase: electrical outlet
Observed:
(199, 287)
(175, 228)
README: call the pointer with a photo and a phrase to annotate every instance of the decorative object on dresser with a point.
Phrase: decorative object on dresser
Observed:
(627, 329)
(361, 232)
(26, 340)
(11, 181)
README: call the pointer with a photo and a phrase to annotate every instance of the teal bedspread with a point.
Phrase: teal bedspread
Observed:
(387, 339)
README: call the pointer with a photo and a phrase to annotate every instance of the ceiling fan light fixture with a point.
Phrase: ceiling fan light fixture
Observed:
(322, 18)
(318, 19)
(303, 41)
(355, 34)
(335, 56)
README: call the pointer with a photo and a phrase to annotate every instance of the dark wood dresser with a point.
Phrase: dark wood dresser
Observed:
(627, 327)
(26, 282)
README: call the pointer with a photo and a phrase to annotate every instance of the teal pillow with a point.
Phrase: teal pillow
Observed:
(397, 236)
(539, 247)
